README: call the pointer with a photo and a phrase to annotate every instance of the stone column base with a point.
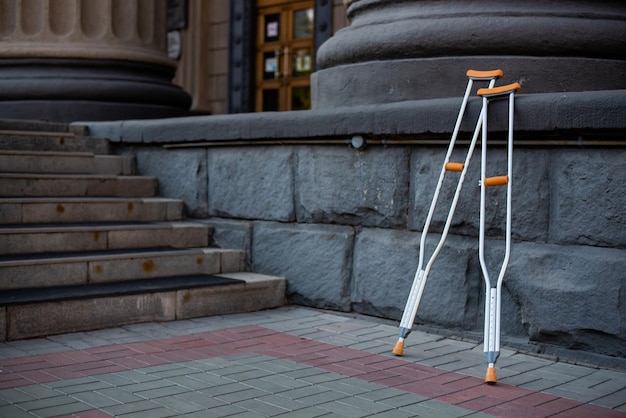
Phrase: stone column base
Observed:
(68, 89)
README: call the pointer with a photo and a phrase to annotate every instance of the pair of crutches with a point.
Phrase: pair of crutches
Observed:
(492, 290)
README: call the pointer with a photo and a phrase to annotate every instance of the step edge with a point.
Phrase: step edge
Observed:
(60, 228)
(128, 254)
(110, 289)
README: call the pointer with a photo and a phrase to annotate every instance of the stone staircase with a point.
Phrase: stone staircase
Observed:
(87, 244)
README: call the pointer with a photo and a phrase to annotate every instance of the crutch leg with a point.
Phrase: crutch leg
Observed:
(421, 275)
(493, 291)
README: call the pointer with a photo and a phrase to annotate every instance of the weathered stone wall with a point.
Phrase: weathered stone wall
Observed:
(343, 225)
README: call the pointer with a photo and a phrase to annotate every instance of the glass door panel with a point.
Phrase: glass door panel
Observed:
(285, 57)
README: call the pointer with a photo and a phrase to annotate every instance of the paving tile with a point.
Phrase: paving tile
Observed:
(236, 366)
(120, 395)
(308, 412)
(65, 409)
(434, 409)
(380, 394)
(178, 405)
(285, 381)
(222, 411)
(39, 391)
(283, 402)
(322, 397)
(45, 403)
(614, 400)
(132, 408)
(94, 399)
(14, 395)
(13, 411)
(170, 390)
(402, 399)
(200, 399)
(262, 408)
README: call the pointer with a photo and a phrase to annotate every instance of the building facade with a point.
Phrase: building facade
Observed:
(334, 198)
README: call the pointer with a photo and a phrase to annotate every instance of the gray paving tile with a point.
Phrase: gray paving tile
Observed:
(170, 390)
(302, 373)
(379, 394)
(136, 376)
(285, 381)
(65, 409)
(114, 379)
(94, 399)
(434, 409)
(242, 395)
(181, 370)
(145, 386)
(402, 399)
(222, 411)
(39, 391)
(262, 408)
(322, 397)
(201, 399)
(308, 412)
(14, 395)
(371, 407)
(84, 387)
(321, 378)
(37, 346)
(189, 382)
(303, 392)
(46, 403)
(344, 386)
(225, 389)
(180, 406)
(79, 340)
(120, 395)
(344, 410)
(13, 412)
(613, 400)
(134, 408)
(283, 402)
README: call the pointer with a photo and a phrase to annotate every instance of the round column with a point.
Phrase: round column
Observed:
(67, 60)
(416, 49)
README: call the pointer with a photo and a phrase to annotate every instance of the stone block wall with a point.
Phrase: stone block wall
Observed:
(343, 225)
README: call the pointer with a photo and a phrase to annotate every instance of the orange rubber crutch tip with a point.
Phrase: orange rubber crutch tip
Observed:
(491, 377)
(398, 350)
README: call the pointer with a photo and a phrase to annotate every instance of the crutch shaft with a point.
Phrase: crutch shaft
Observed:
(419, 282)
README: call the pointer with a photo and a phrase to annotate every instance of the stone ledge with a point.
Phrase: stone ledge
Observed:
(592, 110)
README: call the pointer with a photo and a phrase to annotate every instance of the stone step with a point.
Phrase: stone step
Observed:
(25, 238)
(41, 210)
(52, 141)
(23, 184)
(38, 126)
(88, 267)
(65, 163)
(164, 299)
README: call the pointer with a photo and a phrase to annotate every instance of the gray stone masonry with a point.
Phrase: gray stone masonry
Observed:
(343, 225)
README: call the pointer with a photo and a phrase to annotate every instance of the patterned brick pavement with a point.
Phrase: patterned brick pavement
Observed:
(338, 367)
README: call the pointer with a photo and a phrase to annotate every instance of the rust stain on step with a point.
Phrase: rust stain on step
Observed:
(98, 269)
(60, 208)
(186, 296)
(148, 266)
(199, 260)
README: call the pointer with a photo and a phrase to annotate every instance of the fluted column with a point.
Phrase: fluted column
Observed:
(414, 49)
(97, 59)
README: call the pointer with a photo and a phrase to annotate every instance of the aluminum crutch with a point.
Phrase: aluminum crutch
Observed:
(493, 293)
(421, 275)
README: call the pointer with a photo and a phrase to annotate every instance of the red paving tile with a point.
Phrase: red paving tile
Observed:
(449, 387)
